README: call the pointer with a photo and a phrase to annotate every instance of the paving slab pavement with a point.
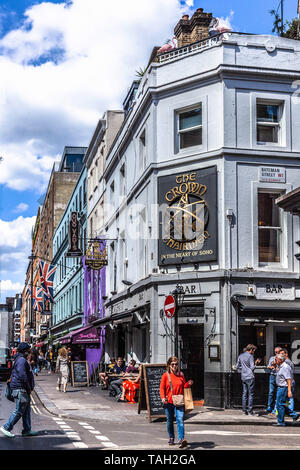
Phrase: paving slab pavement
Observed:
(93, 403)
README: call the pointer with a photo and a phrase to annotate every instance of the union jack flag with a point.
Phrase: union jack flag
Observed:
(47, 272)
(37, 299)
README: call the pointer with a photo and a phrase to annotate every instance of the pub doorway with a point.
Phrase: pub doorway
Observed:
(191, 341)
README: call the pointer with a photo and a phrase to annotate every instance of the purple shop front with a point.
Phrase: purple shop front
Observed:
(94, 291)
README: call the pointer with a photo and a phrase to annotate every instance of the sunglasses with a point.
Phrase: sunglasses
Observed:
(174, 363)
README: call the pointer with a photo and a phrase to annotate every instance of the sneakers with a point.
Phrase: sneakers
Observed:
(7, 433)
(296, 418)
(252, 413)
(58, 389)
(182, 443)
(279, 425)
(171, 441)
(29, 433)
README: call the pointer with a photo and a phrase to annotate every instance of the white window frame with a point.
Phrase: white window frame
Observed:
(184, 131)
(278, 229)
(286, 254)
(284, 131)
(277, 124)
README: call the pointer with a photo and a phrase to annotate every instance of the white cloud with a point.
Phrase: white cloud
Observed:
(227, 22)
(90, 51)
(11, 286)
(22, 207)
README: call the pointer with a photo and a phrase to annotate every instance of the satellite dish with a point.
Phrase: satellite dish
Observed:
(270, 46)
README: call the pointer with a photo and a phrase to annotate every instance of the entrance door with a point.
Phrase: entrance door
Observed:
(192, 356)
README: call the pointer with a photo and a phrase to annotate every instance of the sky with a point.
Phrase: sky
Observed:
(62, 65)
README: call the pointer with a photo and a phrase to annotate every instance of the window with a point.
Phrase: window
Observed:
(268, 122)
(142, 150)
(122, 181)
(269, 229)
(190, 128)
(112, 193)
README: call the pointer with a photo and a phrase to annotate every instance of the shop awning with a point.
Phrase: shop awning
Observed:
(87, 334)
(123, 317)
(263, 307)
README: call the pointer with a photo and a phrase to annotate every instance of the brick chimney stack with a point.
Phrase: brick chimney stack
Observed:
(194, 29)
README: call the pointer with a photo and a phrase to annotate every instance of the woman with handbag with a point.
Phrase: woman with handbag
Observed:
(172, 387)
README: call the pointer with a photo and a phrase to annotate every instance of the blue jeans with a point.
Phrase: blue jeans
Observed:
(291, 400)
(170, 410)
(248, 393)
(272, 392)
(282, 409)
(22, 410)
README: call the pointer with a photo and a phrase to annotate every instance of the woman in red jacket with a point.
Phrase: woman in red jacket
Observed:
(178, 384)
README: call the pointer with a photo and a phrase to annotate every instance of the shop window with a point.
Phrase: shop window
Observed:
(190, 128)
(251, 334)
(268, 117)
(269, 229)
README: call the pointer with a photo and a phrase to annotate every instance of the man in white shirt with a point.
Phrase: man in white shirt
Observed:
(284, 390)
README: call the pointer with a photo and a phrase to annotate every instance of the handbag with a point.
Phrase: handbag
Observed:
(178, 400)
(8, 392)
(188, 400)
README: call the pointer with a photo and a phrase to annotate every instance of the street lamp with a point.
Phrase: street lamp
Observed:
(178, 294)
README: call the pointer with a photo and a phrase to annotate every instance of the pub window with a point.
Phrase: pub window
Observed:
(254, 334)
(268, 117)
(269, 229)
(190, 127)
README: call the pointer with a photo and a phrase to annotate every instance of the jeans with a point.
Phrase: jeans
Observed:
(170, 410)
(248, 392)
(282, 409)
(116, 386)
(22, 410)
(272, 392)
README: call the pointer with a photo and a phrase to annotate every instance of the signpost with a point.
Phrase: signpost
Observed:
(169, 306)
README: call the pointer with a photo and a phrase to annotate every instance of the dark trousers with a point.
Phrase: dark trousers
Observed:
(272, 392)
(248, 395)
(115, 385)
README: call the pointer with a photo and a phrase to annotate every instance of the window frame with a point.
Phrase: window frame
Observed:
(179, 131)
(277, 124)
(277, 229)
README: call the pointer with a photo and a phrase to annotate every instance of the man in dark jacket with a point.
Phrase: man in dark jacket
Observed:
(22, 384)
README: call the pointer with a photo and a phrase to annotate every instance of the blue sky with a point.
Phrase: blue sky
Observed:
(62, 65)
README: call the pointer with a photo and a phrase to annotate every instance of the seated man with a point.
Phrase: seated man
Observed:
(115, 385)
(103, 375)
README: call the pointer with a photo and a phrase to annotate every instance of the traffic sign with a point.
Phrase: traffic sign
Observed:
(169, 306)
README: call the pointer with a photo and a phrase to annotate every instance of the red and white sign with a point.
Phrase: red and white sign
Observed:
(169, 306)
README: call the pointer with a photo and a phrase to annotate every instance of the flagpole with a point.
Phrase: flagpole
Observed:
(31, 293)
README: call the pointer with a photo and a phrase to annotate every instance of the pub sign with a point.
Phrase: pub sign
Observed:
(188, 226)
(74, 249)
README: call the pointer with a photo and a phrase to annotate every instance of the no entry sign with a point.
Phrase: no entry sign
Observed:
(169, 306)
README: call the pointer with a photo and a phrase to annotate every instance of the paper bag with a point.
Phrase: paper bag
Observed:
(188, 400)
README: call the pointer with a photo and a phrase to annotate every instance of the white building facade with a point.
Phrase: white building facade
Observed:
(214, 127)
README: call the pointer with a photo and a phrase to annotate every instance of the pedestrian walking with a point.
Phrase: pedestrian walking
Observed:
(284, 390)
(292, 366)
(21, 384)
(69, 351)
(62, 369)
(246, 365)
(172, 395)
(41, 360)
(35, 361)
(272, 381)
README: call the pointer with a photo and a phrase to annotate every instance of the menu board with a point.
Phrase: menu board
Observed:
(150, 385)
(80, 373)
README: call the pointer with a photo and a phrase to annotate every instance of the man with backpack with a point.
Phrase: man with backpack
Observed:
(21, 384)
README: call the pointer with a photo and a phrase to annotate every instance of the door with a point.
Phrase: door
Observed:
(191, 341)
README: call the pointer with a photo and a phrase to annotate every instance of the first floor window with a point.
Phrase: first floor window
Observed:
(269, 228)
(268, 122)
(190, 127)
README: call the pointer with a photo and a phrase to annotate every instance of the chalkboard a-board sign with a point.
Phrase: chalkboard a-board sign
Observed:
(80, 373)
(149, 395)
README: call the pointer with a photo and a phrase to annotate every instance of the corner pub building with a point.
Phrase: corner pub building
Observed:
(216, 124)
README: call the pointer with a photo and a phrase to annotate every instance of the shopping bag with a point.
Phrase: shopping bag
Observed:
(8, 392)
(188, 400)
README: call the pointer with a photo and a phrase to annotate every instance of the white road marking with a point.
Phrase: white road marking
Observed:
(94, 432)
(65, 426)
(102, 438)
(109, 444)
(80, 445)
(237, 433)
(88, 427)
(84, 424)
